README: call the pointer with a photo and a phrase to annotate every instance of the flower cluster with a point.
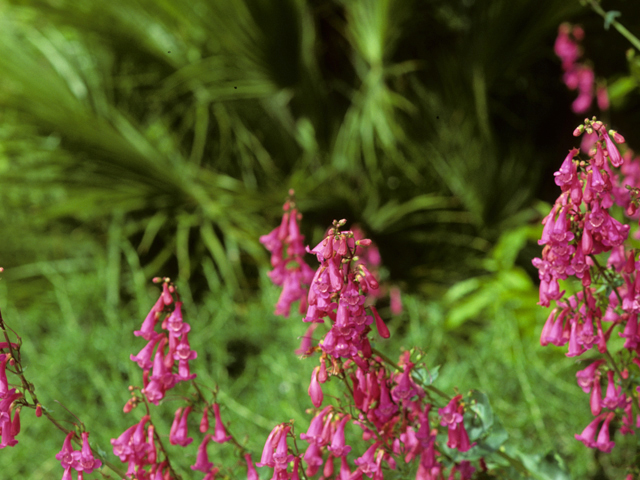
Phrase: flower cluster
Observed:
(159, 376)
(578, 232)
(394, 415)
(139, 446)
(578, 75)
(81, 461)
(285, 243)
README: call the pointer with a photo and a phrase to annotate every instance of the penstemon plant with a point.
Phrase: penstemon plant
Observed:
(408, 427)
(587, 247)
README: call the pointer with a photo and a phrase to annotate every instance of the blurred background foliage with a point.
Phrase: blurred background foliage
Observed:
(142, 138)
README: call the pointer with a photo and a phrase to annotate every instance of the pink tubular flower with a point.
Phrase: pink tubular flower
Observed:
(314, 433)
(366, 463)
(220, 434)
(614, 397)
(143, 358)
(589, 375)
(338, 446)
(251, 469)
(65, 455)
(449, 415)
(202, 460)
(178, 434)
(85, 461)
(588, 435)
(603, 443)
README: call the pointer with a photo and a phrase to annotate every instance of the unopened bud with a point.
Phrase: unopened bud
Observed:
(128, 406)
(38, 410)
(616, 136)
(322, 373)
(365, 242)
(204, 423)
(578, 131)
(631, 209)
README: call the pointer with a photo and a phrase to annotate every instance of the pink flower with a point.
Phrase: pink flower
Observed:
(449, 416)
(338, 447)
(202, 460)
(251, 469)
(383, 330)
(366, 463)
(314, 433)
(143, 358)
(220, 434)
(603, 443)
(85, 461)
(589, 375)
(614, 397)
(315, 391)
(179, 429)
(588, 435)
(65, 455)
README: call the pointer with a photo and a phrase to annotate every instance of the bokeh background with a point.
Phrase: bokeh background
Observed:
(160, 137)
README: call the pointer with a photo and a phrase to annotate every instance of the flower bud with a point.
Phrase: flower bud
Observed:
(631, 209)
(578, 131)
(38, 410)
(616, 136)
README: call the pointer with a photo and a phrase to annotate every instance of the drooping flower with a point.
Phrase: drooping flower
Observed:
(85, 461)
(220, 433)
(338, 447)
(179, 430)
(202, 460)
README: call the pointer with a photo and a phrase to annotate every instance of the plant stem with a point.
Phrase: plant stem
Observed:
(618, 26)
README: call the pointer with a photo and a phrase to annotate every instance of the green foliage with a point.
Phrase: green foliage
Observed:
(160, 137)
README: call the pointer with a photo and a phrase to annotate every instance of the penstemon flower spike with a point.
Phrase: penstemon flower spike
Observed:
(385, 402)
(585, 242)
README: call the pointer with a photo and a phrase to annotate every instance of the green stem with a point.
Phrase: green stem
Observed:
(608, 279)
(618, 26)
(613, 364)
